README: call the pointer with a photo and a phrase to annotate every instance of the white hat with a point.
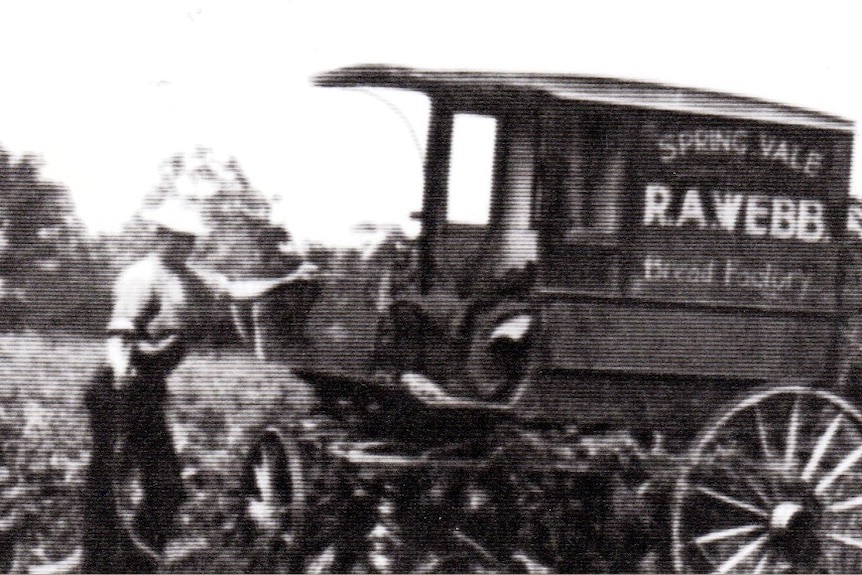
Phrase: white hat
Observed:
(177, 216)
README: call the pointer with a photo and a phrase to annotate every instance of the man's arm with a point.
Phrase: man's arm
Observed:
(244, 290)
(120, 347)
(132, 294)
(119, 357)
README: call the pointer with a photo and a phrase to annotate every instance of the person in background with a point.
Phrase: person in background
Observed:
(161, 308)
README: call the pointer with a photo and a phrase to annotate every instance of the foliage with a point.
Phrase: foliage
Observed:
(243, 242)
(48, 273)
(53, 274)
(218, 400)
(30, 210)
(45, 443)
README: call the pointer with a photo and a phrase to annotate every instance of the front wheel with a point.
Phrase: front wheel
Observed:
(773, 485)
(274, 485)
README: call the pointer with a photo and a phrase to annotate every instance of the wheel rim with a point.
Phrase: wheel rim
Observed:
(774, 485)
(275, 485)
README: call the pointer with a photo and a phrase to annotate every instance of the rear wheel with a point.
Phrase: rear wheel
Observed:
(773, 485)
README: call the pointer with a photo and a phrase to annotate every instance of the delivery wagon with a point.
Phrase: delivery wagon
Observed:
(642, 357)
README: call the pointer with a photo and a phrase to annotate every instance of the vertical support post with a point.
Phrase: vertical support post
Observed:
(514, 191)
(435, 200)
(238, 322)
(257, 330)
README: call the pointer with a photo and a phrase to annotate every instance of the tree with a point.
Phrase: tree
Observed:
(30, 211)
(45, 276)
(243, 242)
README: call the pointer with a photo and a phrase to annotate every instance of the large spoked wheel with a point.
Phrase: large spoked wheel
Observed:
(274, 485)
(773, 485)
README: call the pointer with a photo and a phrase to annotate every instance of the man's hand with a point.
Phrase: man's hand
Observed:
(306, 271)
(157, 346)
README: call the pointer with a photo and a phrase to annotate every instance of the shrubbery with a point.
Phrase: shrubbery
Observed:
(54, 276)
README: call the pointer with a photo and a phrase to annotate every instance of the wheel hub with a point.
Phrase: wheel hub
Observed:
(793, 528)
(784, 514)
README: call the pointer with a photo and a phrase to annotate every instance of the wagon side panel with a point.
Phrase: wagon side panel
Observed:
(689, 258)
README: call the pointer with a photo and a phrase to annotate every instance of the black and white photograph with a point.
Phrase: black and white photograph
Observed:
(430, 287)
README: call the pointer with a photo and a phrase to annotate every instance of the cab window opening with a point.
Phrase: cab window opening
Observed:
(469, 183)
(471, 169)
(509, 244)
(489, 230)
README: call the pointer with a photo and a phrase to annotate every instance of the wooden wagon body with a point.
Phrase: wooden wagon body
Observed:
(667, 281)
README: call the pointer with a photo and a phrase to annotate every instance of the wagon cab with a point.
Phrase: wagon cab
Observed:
(674, 262)
(669, 246)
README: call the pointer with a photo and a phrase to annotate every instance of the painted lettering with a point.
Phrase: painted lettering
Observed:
(810, 226)
(727, 208)
(656, 205)
(686, 142)
(691, 210)
(756, 209)
(755, 215)
(725, 142)
(661, 269)
(783, 218)
(668, 148)
(813, 164)
(791, 155)
(711, 141)
(769, 281)
(780, 153)
(736, 278)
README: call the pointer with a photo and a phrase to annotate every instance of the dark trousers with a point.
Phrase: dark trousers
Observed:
(130, 433)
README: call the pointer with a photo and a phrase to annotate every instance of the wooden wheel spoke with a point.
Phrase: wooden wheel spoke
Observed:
(849, 541)
(729, 533)
(773, 453)
(846, 505)
(761, 564)
(742, 554)
(823, 443)
(745, 477)
(849, 461)
(732, 501)
(792, 436)
(762, 434)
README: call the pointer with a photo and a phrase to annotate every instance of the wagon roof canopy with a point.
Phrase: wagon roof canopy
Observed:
(480, 85)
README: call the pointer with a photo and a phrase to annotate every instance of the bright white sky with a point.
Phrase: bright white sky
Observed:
(103, 92)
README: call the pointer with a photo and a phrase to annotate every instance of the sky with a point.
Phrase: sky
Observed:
(103, 92)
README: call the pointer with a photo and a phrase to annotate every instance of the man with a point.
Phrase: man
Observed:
(161, 307)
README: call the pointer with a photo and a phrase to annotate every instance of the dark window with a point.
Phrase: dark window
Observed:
(582, 181)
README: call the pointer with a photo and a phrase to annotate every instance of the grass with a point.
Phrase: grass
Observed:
(217, 400)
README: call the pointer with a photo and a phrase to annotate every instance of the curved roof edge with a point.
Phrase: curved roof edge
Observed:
(609, 91)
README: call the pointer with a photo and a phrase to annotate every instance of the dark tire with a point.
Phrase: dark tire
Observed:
(274, 486)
